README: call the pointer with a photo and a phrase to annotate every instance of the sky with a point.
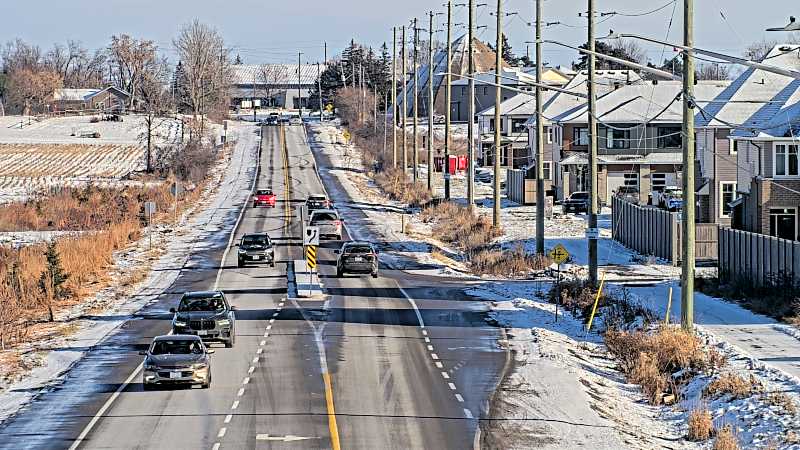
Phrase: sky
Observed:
(275, 31)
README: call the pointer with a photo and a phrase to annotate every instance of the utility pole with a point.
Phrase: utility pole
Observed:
(593, 195)
(498, 97)
(447, 100)
(687, 263)
(394, 97)
(299, 82)
(405, 100)
(471, 110)
(431, 67)
(540, 200)
(325, 57)
(319, 88)
(416, 100)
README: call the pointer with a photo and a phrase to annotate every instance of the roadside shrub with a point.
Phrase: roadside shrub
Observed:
(734, 385)
(396, 185)
(726, 439)
(646, 374)
(782, 401)
(514, 262)
(701, 427)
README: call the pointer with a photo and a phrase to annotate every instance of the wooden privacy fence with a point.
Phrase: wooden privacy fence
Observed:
(657, 232)
(758, 259)
(518, 189)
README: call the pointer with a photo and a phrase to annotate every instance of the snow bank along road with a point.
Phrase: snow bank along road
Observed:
(401, 361)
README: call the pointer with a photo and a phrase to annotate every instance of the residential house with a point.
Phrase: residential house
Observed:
(767, 148)
(66, 100)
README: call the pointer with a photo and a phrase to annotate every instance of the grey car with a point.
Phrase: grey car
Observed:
(177, 359)
(206, 314)
(357, 257)
(328, 221)
(257, 248)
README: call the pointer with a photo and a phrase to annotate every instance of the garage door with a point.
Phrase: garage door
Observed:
(617, 179)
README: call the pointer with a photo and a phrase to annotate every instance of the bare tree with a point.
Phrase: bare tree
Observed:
(18, 54)
(206, 65)
(155, 104)
(273, 78)
(131, 59)
(713, 71)
(758, 50)
(632, 49)
(28, 89)
(77, 66)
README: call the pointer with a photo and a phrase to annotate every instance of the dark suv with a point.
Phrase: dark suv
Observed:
(316, 201)
(357, 257)
(206, 314)
(577, 202)
(256, 248)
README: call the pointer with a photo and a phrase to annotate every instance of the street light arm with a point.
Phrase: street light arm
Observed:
(620, 61)
(732, 59)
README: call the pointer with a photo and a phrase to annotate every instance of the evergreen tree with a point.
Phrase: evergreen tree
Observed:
(508, 53)
(51, 281)
(238, 60)
(604, 64)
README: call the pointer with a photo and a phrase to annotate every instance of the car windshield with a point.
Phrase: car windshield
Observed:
(177, 347)
(264, 192)
(579, 195)
(207, 304)
(255, 240)
(323, 216)
(360, 249)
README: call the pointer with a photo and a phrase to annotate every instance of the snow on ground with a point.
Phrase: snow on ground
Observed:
(96, 318)
(564, 391)
(68, 130)
(17, 239)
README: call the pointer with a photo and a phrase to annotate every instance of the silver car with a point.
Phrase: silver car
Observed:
(177, 359)
(328, 221)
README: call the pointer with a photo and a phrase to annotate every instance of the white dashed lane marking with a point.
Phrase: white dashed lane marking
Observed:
(459, 398)
(222, 432)
(235, 404)
(228, 418)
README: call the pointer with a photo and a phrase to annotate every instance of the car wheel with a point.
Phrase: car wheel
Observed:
(272, 264)
(339, 237)
(240, 263)
(339, 273)
(374, 274)
(147, 387)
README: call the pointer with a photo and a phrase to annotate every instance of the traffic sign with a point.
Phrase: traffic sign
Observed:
(559, 254)
(592, 233)
(329, 107)
(311, 257)
(311, 236)
(149, 208)
(346, 135)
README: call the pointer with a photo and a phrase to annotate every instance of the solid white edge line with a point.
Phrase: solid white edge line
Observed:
(88, 428)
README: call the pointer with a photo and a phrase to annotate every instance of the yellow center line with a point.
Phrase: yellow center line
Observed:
(334, 429)
(287, 208)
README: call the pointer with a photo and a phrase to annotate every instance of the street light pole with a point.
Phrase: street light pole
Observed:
(471, 110)
(498, 97)
(415, 119)
(593, 194)
(688, 213)
(540, 200)
(447, 97)
(431, 66)
(394, 97)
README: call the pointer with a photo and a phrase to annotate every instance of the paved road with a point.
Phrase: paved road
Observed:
(401, 361)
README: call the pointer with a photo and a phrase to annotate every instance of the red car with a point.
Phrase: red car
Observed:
(264, 197)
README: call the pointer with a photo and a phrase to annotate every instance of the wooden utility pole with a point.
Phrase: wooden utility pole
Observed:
(447, 100)
(688, 218)
(471, 109)
(415, 112)
(319, 88)
(431, 67)
(394, 97)
(405, 99)
(593, 194)
(498, 98)
(540, 200)
(299, 82)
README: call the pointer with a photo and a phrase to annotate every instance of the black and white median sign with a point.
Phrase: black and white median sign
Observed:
(311, 236)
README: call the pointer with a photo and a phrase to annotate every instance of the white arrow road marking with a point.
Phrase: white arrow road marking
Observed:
(287, 438)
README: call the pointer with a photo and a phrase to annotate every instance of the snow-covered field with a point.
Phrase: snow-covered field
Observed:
(91, 321)
(68, 130)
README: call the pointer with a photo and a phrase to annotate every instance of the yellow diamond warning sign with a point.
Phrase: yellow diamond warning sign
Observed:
(559, 254)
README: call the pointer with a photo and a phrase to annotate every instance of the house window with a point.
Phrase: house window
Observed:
(617, 138)
(631, 179)
(727, 194)
(518, 125)
(485, 90)
(658, 181)
(580, 136)
(491, 125)
(463, 91)
(786, 160)
(783, 223)
(549, 135)
(734, 147)
(669, 137)
(548, 167)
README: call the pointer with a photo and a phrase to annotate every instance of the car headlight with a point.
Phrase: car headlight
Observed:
(223, 322)
(199, 366)
(150, 367)
(242, 251)
(178, 323)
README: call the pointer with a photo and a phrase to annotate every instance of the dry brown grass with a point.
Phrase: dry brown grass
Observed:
(726, 439)
(734, 385)
(648, 359)
(459, 226)
(509, 263)
(782, 401)
(398, 187)
(701, 427)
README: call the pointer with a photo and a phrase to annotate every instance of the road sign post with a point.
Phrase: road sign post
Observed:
(149, 210)
(310, 243)
(559, 255)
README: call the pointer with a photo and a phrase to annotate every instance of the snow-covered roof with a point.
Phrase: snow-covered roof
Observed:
(74, 95)
(509, 77)
(279, 74)
(604, 79)
(756, 98)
